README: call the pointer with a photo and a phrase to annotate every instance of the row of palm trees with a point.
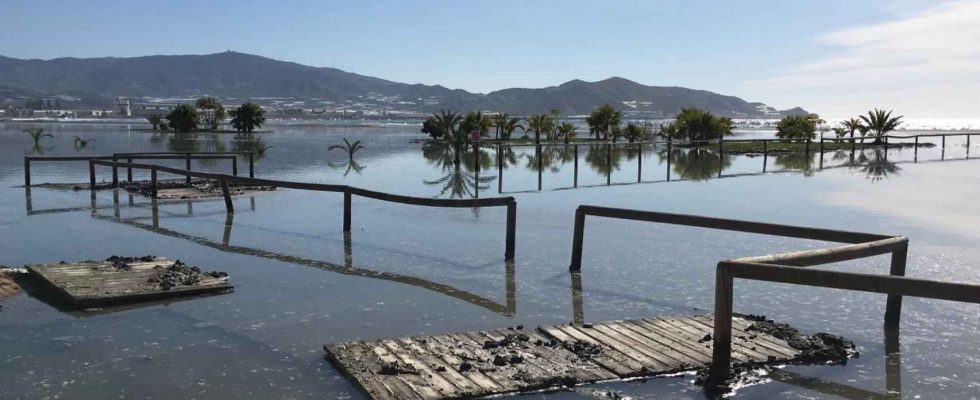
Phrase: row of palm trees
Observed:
(456, 129)
(877, 124)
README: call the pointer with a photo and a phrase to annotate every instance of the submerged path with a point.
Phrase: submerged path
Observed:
(484, 363)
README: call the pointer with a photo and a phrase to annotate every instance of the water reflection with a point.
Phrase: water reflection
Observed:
(509, 308)
(797, 161)
(876, 166)
(461, 180)
(697, 164)
(249, 143)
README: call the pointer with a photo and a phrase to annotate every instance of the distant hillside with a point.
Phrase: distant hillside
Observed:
(243, 76)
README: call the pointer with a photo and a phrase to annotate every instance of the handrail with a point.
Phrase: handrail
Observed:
(786, 268)
(348, 192)
(163, 155)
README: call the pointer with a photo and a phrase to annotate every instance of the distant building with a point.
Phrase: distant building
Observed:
(122, 104)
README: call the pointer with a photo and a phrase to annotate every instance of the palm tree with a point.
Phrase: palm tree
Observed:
(698, 125)
(499, 121)
(348, 147)
(506, 125)
(852, 125)
(247, 117)
(879, 123)
(475, 121)
(566, 131)
(37, 134)
(82, 143)
(634, 132)
(603, 120)
(540, 123)
(447, 122)
(155, 119)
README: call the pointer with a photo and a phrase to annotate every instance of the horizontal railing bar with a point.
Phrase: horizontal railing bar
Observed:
(827, 255)
(895, 285)
(421, 201)
(763, 228)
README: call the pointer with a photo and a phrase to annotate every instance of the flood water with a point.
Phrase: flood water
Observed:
(406, 270)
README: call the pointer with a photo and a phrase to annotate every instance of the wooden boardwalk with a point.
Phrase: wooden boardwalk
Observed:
(99, 283)
(476, 364)
(8, 288)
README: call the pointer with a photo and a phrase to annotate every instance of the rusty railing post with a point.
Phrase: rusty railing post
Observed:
(234, 165)
(893, 306)
(347, 209)
(511, 230)
(229, 206)
(27, 172)
(129, 170)
(115, 171)
(575, 172)
(251, 165)
(721, 355)
(577, 238)
(153, 182)
(916, 152)
(91, 174)
(187, 166)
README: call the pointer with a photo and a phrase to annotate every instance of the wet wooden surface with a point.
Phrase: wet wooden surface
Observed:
(8, 288)
(99, 283)
(484, 363)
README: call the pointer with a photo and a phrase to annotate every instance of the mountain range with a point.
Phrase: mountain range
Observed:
(238, 76)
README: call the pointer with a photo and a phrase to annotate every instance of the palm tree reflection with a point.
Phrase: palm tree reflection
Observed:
(697, 164)
(797, 161)
(460, 181)
(876, 166)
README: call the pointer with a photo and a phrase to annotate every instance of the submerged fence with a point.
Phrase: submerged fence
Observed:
(115, 157)
(348, 191)
(786, 268)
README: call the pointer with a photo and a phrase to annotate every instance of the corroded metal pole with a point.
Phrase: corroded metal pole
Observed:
(347, 209)
(27, 172)
(511, 239)
(229, 206)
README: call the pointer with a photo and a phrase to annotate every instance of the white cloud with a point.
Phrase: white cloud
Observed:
(932, 59)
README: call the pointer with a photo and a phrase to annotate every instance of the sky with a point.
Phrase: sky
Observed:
(834, 57)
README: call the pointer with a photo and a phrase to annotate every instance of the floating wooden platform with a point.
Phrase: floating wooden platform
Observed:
(484, 363)
(99, 283)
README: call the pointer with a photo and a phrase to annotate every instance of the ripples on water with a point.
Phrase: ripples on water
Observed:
(407, 270)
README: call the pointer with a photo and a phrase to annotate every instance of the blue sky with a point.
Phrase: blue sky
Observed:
(784, 53)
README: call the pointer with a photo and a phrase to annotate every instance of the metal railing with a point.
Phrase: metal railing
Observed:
(348, 191)
(785, 268)
(115, 157)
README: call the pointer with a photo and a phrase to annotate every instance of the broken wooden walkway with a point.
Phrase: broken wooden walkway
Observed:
(484, 363)
(99, 283)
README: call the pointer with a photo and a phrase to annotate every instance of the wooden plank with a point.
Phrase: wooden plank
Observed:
(739, 347)
(666, 362)
(665, 348)
(94, 284)
(611, 361)
(462, 365)
(778, 347)
(583, 368)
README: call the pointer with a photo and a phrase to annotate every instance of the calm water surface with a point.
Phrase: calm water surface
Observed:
(404, 270)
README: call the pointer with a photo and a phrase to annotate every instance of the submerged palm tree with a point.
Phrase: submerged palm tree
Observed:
(37, 134)
(880, 122)
(505, 125)
(603, 120)
(348, 147)
(459, 180)
(82, 143)
(447, 122)
(566, 131)
(853, 125)
(540, 123)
